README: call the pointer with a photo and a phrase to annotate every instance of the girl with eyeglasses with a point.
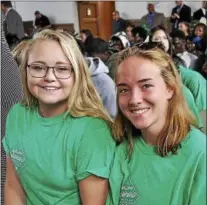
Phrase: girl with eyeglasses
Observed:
(58, 139)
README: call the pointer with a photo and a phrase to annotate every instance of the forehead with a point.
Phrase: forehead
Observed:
(177, 39)
(47, 50)
(159, 33)
(200, 28)
(135, 68)
(150, 5)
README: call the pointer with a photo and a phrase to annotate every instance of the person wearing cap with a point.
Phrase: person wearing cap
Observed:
(41, 20)
(119, 41)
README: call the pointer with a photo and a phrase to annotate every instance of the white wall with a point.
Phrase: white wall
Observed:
(57, 12)
(135, 10)
(67, 12)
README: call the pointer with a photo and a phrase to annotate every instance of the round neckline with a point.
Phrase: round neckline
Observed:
(50, 120)
(151, 149)
(144, 147)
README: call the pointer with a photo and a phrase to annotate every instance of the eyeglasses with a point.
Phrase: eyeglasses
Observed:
(40, 70)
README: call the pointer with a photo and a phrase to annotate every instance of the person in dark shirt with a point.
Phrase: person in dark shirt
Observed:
(118, 24)
(41, 20)
(180, 13)
(197, 15)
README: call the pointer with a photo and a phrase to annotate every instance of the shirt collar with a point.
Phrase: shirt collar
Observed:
(203, 10)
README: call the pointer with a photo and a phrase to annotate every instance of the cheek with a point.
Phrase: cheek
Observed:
(123, 102)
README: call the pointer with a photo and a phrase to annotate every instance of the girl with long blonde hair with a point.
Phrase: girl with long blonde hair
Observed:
(58, 139)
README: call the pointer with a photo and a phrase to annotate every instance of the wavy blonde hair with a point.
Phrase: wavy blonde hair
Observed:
(19, 50)
(84, 100)
(179, 117)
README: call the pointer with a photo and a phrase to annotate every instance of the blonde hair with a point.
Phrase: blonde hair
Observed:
(179, 117)
(84, 100)
(18, 50)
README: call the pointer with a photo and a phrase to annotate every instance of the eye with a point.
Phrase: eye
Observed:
(123, 90)
(62, 69)
(147, 86)
(37, 67)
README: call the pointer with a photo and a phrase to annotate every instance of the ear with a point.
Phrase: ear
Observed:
(170, 93)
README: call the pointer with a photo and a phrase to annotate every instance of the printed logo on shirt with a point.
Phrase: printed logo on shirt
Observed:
(18, 157)
(128, 195)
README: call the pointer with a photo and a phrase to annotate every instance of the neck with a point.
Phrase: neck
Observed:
(6, 9)
(52, 110)
(151, 133)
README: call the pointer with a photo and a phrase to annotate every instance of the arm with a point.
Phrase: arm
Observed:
(94, 153)
(93, 190)
(173, 17)
(13, 191)
(11, 22)
(188, 15)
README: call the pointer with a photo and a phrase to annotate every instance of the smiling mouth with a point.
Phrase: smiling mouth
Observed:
(48, 88)
(140, 111)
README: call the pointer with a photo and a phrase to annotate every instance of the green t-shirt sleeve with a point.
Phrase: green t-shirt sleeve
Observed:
(94, 151)
(198, 191)
(197, 85)
(8, 139)
(192, 106)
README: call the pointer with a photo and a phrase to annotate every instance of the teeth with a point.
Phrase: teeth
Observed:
(50, 88)
(140, 111)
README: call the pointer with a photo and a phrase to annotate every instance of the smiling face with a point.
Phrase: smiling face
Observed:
(49, 90)
(199, 31)
(142, 93)
(160, 36)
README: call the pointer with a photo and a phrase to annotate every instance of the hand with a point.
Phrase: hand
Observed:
(176, 15)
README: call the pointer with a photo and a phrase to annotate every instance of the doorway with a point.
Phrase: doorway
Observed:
(97, 17)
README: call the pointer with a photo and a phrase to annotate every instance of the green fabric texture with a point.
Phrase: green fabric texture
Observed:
(196, 83)
(51, 155)
(192, 106)
(148, 178)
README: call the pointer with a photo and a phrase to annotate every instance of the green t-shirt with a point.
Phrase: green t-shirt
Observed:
(149, 179)
(51, 155)
(192, 106)
(196, 83)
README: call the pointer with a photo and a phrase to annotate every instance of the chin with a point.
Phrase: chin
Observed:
(142, 124)
(52, 101)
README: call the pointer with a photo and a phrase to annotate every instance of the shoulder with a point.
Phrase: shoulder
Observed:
(145, 16)
(18, 108)
(196, 141)
(88, 123)
(121, 150)
(18, 111)
(186, 7)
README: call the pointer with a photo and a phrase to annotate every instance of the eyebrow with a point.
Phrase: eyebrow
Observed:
(139, 81)
(57, 63)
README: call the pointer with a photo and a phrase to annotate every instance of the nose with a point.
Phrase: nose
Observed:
(50, 76)
(136, 97)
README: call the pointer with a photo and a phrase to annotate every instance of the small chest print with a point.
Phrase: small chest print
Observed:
(128, 195)
(18, 157)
